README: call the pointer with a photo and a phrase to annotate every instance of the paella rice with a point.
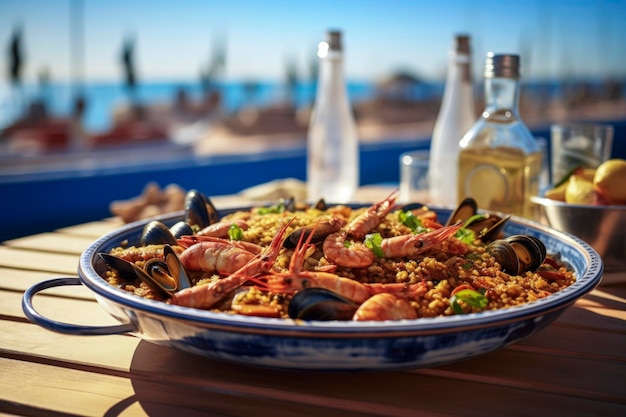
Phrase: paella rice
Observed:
(442, 274)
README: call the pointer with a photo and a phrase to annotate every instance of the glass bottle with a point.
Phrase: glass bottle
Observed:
(333, 145)
(456, 116)
(499, 161)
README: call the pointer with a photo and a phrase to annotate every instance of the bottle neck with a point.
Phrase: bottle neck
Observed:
(459, 67)
(332, 89)
(331, 68)
(501, 97)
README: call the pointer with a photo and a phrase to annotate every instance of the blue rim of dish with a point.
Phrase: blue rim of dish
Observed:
(584, 284)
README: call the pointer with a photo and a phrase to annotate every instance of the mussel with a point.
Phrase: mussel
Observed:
(466, 209)
(199, 210)
(163, 276)
(181, 228)
(320, 304)
(487, 226)
(321, 205)
(518, 254)
(156, 233)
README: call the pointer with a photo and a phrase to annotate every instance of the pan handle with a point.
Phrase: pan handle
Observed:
(59, 327)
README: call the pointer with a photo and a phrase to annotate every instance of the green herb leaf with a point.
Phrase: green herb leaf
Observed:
(278, 208)
(411, 221)
(235, 232)
(471, 298)
(465, 235)
(474, 218)
(374, 242)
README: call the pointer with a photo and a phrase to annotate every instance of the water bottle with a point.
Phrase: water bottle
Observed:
(332, 143)
(456, 116)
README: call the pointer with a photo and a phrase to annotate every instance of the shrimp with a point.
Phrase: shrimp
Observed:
(206, 296)
(295, 279)
(188, 241)
(221, 257)
(290, 283)
(341, 251)
(370, 218)
(408, 246)
(220, 229)
(403, 290)
(384, 306)
(353, 253)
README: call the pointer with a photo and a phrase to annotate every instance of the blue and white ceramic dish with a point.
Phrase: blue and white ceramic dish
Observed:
(329, 346)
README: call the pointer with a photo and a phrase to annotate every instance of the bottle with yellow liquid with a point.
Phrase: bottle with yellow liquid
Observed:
(500, 161)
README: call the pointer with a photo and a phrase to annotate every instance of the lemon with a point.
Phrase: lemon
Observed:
(580, 191)
(588, 173)
(558, 192)
(610, 181)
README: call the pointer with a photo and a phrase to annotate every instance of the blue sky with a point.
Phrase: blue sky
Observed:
(175, 38)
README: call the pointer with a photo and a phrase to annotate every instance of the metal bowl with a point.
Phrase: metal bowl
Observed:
(328, 346)
(603, 227)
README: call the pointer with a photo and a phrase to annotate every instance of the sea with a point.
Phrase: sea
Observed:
(103, 98)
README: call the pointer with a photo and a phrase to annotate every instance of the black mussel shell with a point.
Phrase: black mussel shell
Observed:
(181, 228)
(413, 206)
(321, 205)
(531, 252)
(505, 255)
(320, 304)
(156, 233)
(157, 269)
(466, 209)
(488, 228)
(289, 203)
(130, 272)
(518, 254)
(176, 269)
(291, 241)
(199, 210)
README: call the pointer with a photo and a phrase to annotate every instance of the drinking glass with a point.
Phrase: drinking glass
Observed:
(574, 145)
(414, 177)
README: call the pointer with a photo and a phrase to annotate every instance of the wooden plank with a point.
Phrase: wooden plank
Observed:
(56, 307)
(19, 280)
(93, 229)
(27, 340)
(577, 342)
(52, 242)
(37, 389)
(38, 261)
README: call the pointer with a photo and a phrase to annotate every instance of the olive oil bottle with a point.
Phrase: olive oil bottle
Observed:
(500, 161)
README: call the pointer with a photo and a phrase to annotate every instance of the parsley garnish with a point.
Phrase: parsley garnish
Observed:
(278, 208)
(465, 235)
(374, 242)
(411, 221)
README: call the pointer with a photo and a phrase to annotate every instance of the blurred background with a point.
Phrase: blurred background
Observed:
(93, 88)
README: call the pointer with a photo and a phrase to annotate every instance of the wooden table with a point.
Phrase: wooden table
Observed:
(574, 367)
